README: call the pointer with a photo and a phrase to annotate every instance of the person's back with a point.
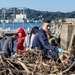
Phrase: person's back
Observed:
(27, 43)
(29, 38)
(36, 41)
(8, 46)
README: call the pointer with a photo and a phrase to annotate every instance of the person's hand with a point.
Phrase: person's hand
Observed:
(60, 50)
(13, 53)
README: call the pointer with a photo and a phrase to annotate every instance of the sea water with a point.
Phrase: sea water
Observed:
(19, 25)
(16, 26)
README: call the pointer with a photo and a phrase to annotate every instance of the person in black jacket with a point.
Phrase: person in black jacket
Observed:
(41, 42)
(8, 46)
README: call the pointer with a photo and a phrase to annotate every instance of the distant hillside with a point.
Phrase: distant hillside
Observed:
(36, 15)
(48, 15)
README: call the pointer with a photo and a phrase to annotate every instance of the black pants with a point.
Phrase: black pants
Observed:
(52, 55)
(7, 55)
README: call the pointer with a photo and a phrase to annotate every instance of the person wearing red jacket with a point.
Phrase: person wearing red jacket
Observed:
(21, 36)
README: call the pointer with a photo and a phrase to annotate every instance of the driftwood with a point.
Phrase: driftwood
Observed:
(11, 65)
(1, 52)
(64, 58)
(73, 64)
(33, 62)
(24, 66)
(10, 72)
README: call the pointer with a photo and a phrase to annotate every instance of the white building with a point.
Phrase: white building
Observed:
(70, 20)
(4, 21)
(20, 18)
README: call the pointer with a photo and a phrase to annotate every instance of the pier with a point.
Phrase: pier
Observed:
(8, 32)
(11, 32)
(66, 32)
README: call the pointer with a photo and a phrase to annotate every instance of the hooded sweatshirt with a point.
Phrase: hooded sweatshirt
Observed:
(21, 40)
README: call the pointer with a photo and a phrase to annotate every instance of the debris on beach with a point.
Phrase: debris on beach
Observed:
(34, 62)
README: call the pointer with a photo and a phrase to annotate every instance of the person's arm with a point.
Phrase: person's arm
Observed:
(32, 38)
(25, 41)
(11, 46)
(0, 46)
(43, 39)
(19, 46)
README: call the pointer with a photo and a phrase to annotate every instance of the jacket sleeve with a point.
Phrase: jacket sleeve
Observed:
(19, 46)
(25, 42)
(43, 39)
(0, 46)
(11, 46)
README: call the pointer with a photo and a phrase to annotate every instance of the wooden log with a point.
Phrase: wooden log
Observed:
(10, 72)
(24, 66)
(1, 52)
(64, 58)
(3, 61)
(11, 65)
(65, 51)
(44, 64)
(20, 71)
(55, 71)
(73, 64)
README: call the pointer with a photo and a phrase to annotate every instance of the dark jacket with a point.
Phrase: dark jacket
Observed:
(41, 42)
(8, 46)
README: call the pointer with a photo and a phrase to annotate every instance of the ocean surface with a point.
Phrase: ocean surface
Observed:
(16, 26)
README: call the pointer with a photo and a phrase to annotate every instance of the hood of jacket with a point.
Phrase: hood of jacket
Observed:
(21, 30)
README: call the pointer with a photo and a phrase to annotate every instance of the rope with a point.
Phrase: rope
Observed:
(30, 24)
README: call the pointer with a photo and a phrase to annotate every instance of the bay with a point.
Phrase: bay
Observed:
(16, 26)
(19, 25)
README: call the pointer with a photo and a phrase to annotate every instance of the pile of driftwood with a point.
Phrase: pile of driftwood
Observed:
(34, 62)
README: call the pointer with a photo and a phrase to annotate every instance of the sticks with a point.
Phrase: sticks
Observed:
(69, 68)
(24, 66)
(32, 63)
(10, 72)
(12, 65)
(1, 52)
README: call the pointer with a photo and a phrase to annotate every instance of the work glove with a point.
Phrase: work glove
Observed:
(13, 53)
(60, 50)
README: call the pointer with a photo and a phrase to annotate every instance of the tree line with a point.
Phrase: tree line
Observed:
(36, 15)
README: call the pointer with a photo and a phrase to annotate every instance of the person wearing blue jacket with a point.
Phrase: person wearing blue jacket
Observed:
(41, 42)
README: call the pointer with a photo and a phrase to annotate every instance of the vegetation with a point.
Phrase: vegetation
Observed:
(36, 15)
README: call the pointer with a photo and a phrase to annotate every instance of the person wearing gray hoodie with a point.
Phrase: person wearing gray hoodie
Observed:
(8, 46)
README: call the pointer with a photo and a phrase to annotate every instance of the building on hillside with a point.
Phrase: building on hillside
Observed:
(20, 18)
(69, 20)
